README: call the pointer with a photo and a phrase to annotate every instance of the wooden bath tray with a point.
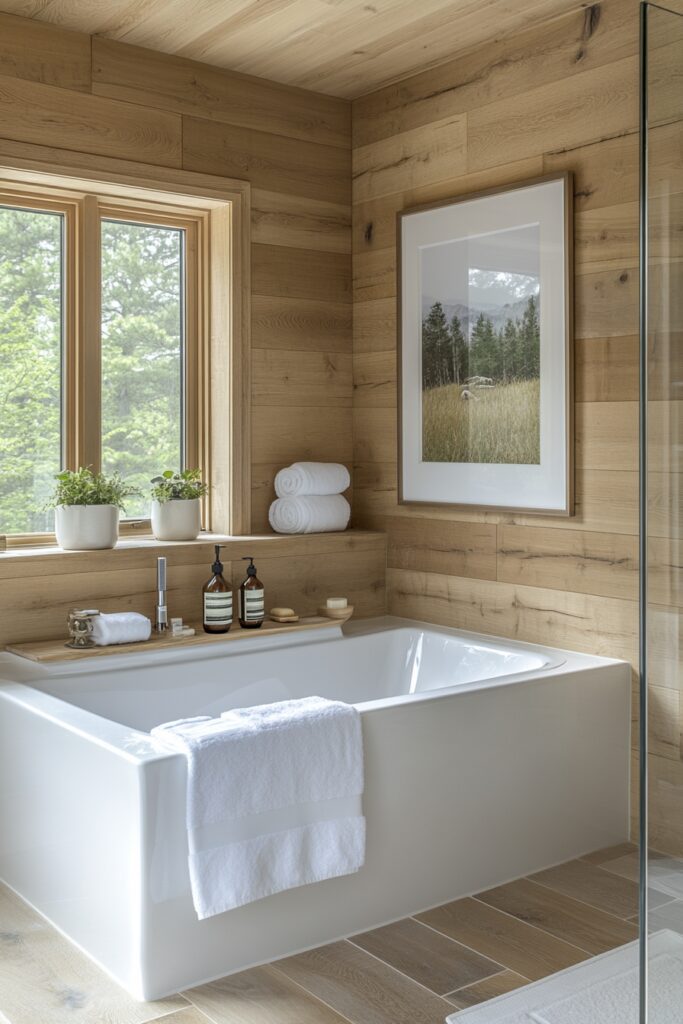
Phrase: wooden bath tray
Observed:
(51, 651)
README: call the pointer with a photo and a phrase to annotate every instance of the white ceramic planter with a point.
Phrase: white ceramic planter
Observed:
(86, 527)
(179, 519)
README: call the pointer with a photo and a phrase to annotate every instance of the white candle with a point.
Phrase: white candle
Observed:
(337, 602)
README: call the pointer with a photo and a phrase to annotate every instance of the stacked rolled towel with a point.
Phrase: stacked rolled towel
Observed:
(309, 498)
(312, 478)
(120, 628)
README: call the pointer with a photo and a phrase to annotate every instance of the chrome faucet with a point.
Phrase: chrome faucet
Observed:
(161, 623)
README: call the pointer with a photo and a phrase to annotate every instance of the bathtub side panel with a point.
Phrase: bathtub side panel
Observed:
(463, 792)
(70, 836)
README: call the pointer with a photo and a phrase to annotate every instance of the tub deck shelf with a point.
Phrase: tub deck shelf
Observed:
(51, 651)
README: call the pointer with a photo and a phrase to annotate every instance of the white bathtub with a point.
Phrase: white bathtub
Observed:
(485, 760)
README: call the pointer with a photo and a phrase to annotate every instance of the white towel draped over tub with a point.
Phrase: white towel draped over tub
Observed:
(273, 798)
(312, 478)
(313, 513)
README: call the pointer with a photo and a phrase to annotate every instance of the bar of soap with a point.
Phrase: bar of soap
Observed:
(336, 602)
(282, 613)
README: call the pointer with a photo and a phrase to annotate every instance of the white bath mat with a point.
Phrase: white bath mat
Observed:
(603, 990)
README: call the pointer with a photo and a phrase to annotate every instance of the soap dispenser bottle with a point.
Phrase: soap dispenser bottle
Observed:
(252, 601)
(217, 599)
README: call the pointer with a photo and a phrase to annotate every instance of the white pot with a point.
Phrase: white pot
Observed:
(178, 519)
(86, 527)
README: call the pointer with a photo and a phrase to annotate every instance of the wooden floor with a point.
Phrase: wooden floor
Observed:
(415, 971)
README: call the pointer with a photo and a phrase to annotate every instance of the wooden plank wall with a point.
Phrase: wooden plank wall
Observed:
(102, 98)
(560, 96)
(300, 572)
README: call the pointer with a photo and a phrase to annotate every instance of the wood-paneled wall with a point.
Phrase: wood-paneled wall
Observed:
(560, 96)
(106, 99)
(300, 572)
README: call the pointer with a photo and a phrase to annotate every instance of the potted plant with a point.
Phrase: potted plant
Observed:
(87, 507)
(176, 510)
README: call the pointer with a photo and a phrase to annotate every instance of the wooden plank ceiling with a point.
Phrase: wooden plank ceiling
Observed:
(342, 47)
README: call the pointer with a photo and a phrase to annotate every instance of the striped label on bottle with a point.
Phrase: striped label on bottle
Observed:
(253, 602)
(218, 608)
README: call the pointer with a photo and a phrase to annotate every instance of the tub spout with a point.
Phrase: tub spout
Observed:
(161, 623)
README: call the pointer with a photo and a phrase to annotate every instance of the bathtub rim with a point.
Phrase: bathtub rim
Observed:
(137, 747)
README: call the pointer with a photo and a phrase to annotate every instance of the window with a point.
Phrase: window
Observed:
(31, 360)
(103, 316)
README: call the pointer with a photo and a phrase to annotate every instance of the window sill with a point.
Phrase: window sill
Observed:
(232, 548)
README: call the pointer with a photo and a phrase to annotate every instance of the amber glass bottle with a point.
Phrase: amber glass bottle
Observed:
(252, 601)
(217, 600)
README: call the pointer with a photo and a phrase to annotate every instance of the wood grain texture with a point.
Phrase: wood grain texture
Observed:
(295, 273)
(509, 65)
(363, 989)
(270, 162)
(596, 887)
(52, 116)
(299, 572)
(153, 79)
(301, 379)
(591, 563)
(50, 652)
(426, 956)
(90, 101)
(591, 930)
(44, 53)
(300, 324)
(437, 545)
(260, 996)
(559, 95)
(345, 49)
(300, 223)
(489, 988)
(581, 622)
(409, 159)
(512, 943)
(43, 977)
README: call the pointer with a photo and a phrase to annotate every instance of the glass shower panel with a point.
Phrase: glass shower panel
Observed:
(662, 323)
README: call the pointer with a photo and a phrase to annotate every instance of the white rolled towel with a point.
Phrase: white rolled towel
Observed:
(312, 478)
(120, 628)
(310, 513)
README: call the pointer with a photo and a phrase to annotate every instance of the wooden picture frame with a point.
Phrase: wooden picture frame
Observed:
(485, 281)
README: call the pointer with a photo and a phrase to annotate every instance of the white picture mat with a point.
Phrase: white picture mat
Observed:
(541, 486)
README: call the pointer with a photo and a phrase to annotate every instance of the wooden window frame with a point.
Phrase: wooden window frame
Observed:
(215, 214)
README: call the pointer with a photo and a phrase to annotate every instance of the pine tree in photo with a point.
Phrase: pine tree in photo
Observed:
(436, 348)
(460, 353)
(484, 350)
(530, 341)
(509, 349)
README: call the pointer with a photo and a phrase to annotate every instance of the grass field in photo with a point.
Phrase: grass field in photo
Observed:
(500, 425)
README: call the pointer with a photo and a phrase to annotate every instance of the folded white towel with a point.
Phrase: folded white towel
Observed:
(312, 478)
(273, 798)
(310, 514)
(120, 628)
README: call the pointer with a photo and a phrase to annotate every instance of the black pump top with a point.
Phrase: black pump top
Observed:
(251, 569)
(217, 567)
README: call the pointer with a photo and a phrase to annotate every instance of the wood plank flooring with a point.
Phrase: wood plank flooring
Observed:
(414, 971)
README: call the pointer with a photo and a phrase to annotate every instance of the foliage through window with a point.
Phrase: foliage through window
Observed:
(31, 317)
(99, 341)
(142, 353)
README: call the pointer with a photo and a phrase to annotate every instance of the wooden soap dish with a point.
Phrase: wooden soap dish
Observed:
(283, 615)
(338, 614)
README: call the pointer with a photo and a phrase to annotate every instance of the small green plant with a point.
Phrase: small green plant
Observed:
(172, 486)
(83, 487)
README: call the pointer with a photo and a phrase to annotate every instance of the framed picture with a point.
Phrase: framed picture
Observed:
(485, 350)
